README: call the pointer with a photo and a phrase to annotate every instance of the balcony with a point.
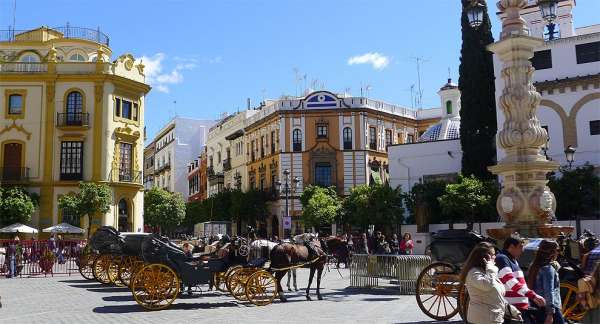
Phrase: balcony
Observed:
(14, 175)
(373, 146)
(166, 166)
(23, 67)
(44, 34)
(226, 164)
(73, 119)
(127, 176)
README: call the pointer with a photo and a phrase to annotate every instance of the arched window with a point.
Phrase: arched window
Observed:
(449, 107)
(77, 57)
(347, 138)
(30, 58)
(297, 140)
(74, 103)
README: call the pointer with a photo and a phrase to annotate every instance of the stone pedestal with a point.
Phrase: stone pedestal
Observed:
(525, 203)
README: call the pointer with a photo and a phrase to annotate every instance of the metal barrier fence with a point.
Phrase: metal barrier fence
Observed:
(39, 257)
(367, 269)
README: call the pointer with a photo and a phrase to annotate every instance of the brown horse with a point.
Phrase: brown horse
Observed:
(286, 255)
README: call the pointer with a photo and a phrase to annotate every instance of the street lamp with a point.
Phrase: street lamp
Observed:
(548, 10)
(475, 13)
(286, 187)
(570, 155)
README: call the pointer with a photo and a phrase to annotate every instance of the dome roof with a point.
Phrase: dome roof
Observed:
(445, 130)
(449, 85)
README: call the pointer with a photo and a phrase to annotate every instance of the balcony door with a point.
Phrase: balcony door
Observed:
(11, 166)
(125, 172)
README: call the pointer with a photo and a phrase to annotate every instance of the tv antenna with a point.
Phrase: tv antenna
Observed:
(419, 99)
(297, 79)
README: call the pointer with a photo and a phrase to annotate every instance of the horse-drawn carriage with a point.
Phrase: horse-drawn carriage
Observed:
(441, 295)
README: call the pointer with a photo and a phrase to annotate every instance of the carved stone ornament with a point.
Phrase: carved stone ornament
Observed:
(546, 201)
(507, 204)
(127, 60)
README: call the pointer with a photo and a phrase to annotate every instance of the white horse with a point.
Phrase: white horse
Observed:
(258, 247)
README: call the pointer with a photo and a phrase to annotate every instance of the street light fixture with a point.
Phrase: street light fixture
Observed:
(286, 187)
(475, 14)
(548, 10)
(570, 155)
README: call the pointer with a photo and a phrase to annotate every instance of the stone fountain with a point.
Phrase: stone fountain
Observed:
(525, 204)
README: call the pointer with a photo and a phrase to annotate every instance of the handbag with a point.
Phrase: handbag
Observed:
(512, 315)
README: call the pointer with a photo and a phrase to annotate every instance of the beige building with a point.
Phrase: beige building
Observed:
(70, 114)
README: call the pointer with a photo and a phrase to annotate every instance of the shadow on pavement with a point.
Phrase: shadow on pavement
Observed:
(125, 298)
(429, 322)
(78, 281)
(109, 289)
(380, 299)
(120, 309)
(93, 285)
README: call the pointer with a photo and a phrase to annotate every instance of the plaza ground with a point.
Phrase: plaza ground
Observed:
(64, 299)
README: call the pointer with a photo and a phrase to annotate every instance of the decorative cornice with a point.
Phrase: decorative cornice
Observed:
(16, 127)
(549, 85)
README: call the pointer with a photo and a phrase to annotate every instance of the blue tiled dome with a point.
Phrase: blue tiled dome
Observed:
(434, 133)
(431, 134)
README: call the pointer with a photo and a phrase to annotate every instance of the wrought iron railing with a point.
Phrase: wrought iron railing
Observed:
(226, 164)
(21, 67)
(162, 167)
(124, 175)
(72, 119)
(14, 174)
(94, 35)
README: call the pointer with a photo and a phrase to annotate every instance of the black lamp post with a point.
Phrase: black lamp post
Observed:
(475, 13)
(570, 155)
(286, 187)
(548, 10)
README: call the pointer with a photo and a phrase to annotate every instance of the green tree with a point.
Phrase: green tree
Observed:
(470, 198)
(424, 196)
(163, 208)
(478, 103)
(92, 198)
(320, 206)
(16, 205)
(379, 205)
(577, 192)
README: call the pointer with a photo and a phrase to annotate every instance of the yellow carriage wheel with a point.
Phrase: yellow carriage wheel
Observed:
(237, 283)
(571, 308)
(127, 269)
(220, 281)
(261, 288)
(113, 271)
(228, 274)
(438, 291)
(155, 286)
(100, 268)
(85, 265)
(463, 302)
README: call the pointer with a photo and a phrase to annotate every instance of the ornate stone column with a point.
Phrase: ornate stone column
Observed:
(525, 203)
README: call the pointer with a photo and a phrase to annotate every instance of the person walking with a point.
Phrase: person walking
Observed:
(406, 245)
(543, 279)
(486, 293)
(518, 293)
(394, 244)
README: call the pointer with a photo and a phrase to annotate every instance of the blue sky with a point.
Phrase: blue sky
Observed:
(209, 56)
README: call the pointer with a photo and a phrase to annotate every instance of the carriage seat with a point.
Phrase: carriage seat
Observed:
(257, 263)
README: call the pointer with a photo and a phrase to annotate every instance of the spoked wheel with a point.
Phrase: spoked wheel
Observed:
(463, 302)
(237, 283)
(126, 269)
(261, 288)
(113, 271)
(438, 290)
(228, 275)
(85, 264)
(100, 268)
(155, 286)
(220, 281)
(571, 308)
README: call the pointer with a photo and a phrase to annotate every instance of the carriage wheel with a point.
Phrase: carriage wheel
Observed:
(85, 264)
(155, 286)
(463, 302)
(237, 283)
(126, 269)
(261, 288)
(571, 308)
(220, 281)
(113, 270)
(100, 268)
(438, 290)
(228, 275)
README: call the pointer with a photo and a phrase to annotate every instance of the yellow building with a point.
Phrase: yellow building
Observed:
(70, 114)
(324, 139)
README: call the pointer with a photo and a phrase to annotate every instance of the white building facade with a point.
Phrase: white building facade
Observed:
(177, 143)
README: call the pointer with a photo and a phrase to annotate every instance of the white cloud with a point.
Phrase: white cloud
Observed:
(155, 75)
(378, 61)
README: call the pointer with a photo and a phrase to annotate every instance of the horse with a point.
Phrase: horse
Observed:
(338, 248)
(287, 255)
(260, 249)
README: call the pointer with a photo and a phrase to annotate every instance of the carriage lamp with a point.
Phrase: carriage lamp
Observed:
(475, 13)
(548, 11)
(570, 155)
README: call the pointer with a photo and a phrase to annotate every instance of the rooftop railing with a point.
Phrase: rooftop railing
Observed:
(21, 67)
(94, 35)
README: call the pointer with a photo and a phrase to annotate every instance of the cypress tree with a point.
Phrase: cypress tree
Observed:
(478, 104)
